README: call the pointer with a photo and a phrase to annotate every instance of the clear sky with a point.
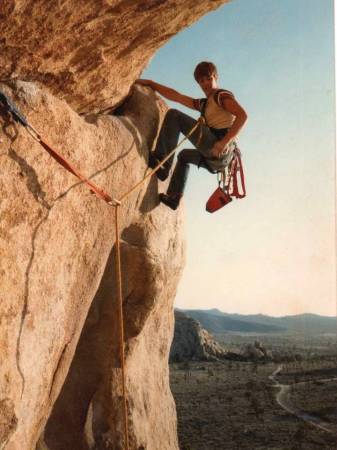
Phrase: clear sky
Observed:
(274, 251)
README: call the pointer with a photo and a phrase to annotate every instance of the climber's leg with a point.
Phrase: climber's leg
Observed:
(176, 122)
(177, 184)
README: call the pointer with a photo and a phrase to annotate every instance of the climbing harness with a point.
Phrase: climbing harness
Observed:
(17, 116)
(228, 183)
(227, 176)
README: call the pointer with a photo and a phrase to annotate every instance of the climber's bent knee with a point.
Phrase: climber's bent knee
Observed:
(189, 156)
(171, 113)
(183, 157)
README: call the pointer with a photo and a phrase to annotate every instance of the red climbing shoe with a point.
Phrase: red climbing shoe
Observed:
(172, 200)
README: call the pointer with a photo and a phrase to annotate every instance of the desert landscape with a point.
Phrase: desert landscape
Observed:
(228, 404)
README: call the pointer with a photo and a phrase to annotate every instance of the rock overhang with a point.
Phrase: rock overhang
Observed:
(89, 52)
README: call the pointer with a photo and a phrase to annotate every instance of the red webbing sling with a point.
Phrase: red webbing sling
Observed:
(93, 187)
(11, 108)
(234, 175)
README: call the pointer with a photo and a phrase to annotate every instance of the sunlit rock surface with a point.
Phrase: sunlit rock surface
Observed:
(57, 262)
(89, 52)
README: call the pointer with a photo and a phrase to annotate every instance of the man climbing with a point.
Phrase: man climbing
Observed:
(224, 118)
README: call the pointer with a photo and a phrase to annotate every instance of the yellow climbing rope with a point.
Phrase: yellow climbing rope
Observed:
(117, 204)
(121, 323)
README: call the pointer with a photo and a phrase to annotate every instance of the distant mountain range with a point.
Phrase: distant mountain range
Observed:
(216, 321)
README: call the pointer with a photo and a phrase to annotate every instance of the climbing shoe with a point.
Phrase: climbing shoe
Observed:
(163, 172)
(172, 201)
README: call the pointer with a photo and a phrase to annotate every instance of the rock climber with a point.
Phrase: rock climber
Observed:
(224, 118)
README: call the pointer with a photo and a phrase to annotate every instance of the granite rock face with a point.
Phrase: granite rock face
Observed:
(58, 334)
(57, 264)
(192, 342)
(89, 52)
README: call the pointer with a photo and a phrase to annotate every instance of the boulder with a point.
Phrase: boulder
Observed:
(57, 264)
(256, 352)
(192, 342)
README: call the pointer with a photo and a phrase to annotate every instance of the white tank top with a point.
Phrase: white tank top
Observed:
(216, 116)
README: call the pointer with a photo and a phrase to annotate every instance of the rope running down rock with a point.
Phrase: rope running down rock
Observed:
(100, 193)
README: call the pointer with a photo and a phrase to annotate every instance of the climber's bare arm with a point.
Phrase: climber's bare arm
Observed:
(168, 93)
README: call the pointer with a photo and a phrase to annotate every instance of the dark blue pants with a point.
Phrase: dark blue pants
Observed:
(176, 122)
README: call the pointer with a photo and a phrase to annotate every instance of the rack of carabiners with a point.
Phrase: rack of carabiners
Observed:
(228, 177)
(9, 107)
